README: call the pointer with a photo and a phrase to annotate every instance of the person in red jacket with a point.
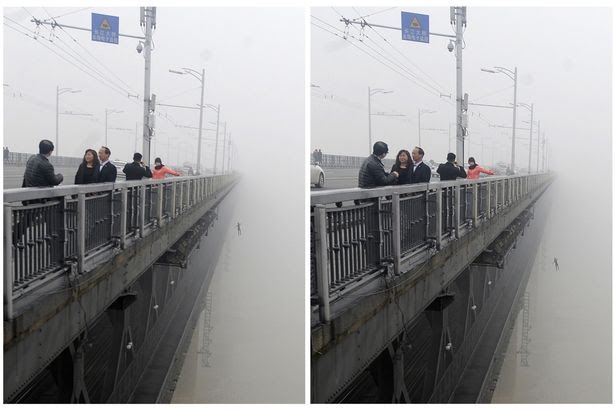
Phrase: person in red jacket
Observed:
(160, 170)
(474, 170)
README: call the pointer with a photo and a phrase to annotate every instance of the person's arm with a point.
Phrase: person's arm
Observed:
(148, 172)
(462, 172)
(113, 173)
(49, 177)
(171, 171)
(380, 176)
(485, 171)
(79, 175)
(426, 177)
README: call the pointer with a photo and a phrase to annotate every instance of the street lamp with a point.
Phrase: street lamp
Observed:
(530, 108)
(421, 111)
(58, 92)
(370, 92)
(107, 112)
(217, 110)
(201, 78)
(513, 76)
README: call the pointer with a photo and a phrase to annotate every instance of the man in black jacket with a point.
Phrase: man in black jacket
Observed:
(372, 173)
(450, 171)
(420, 171)
(108, 171)
(39, 171)
(136, 170)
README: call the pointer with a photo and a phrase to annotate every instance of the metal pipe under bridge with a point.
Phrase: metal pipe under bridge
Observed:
(75, 258)
(406, 282)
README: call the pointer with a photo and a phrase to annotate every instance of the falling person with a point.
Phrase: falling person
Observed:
(238, 229)
(556, 264)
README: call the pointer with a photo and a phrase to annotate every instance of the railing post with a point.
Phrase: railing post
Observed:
(160, 203)
(439, 218)
(181, 197)
(8, 262)
(475, 205)
(320, 216)
(80, 231)
(496, 184)
(457, 209)
(488, 214)
(123, 216)
(142, 211)
(173, 195)
(396, 240)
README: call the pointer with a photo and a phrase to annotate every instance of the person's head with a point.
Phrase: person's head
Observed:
(137, 157)
(450, 157)
(403, 157)
(471, 161)
(417, 154)
(45, 147)
(90, 156)
(381, 149)
(158, 161)
(104, 153)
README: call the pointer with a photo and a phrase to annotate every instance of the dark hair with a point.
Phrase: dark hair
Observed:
(450, 157)
(45, 147)
(398, 162)
(380, 148)
(420, 150)
(137, 157)
(107, 150)
(471, 159)
(95, 161)
(158, 160)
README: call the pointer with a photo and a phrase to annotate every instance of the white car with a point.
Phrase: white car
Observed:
(317, 176)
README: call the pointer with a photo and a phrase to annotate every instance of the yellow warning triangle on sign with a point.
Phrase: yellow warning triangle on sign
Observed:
(106, 26)
(415, 23)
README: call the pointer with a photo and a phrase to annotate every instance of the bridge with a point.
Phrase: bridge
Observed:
(99, 291)
(414, 287)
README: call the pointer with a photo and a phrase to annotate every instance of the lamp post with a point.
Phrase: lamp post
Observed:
(423, 112)
(60, 91)
(513, 76)
(530, 108)
(370, 92)
(217, 110)
(107, 112)
(201, 78)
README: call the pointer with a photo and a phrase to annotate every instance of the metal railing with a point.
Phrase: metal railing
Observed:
(48, 231)
(345, 161)
(356, 232)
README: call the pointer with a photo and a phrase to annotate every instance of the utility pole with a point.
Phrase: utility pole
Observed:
(512, 160)
(107, 112)
(223, 146)
(369, 119)
(228, 163)
(148, 19)
(216, 149)
(529, 162)
(136, 135)
(538, 149)
(460, 23)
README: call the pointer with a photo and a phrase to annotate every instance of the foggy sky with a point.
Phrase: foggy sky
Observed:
(253, 72)
(563, 57)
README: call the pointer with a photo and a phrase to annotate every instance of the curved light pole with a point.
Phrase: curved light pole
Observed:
(201, 77)
(422, 111)
(370, 92)
(513, 76)
(60, 91)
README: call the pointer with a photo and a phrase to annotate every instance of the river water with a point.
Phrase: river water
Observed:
(248, 346)
(569, 333)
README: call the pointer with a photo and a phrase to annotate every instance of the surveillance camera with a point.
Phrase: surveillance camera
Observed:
(450, 46)
(139, 47)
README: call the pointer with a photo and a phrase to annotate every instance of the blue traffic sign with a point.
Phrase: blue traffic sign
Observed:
(105, 28)
(415, 27)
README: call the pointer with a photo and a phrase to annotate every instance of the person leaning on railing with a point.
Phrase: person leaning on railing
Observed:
(161, 170)
(450, 170)
(474, 169)
(372, 173)
(137, 169)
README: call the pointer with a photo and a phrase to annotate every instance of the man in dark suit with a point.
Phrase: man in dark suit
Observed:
(136, 170)
(450, 171)
(108, 171)
(420, 171)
